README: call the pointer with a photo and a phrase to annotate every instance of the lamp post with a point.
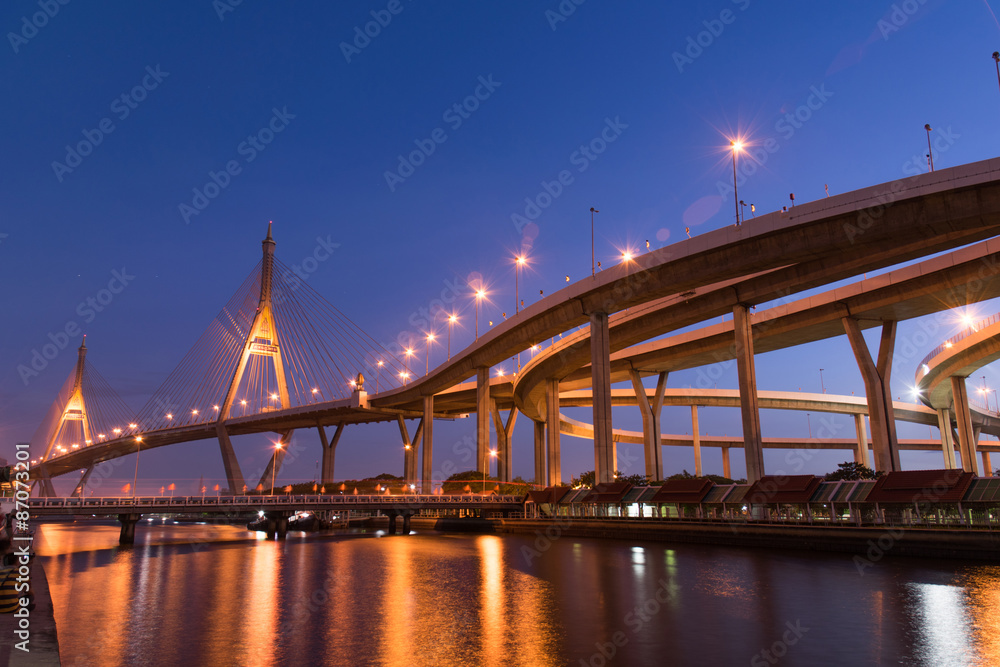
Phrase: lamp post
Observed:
(821, 385)
(378, 374)
(451, 321)
(406, 362)
(427, 357)
(479, 297)
(493, 453)
(996, 58)
(518, 263)
(593, 271)
(274, 465)
(737, 146)
(930, 153)
(135, 478)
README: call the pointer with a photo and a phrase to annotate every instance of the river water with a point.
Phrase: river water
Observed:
(216, 595)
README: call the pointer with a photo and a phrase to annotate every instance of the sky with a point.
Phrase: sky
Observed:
(414, 142)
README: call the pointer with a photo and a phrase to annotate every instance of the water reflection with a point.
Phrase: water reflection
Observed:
(210, 595)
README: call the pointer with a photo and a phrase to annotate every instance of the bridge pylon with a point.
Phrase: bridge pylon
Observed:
(72, 408)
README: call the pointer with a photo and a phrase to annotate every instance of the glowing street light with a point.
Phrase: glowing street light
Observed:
(492, 453)
(737, 146)
(378, 373)
(406, 362)
(480, 294)
(427, 357)
(274, 464)
(135, 477)
(451, 321)
(519, 261)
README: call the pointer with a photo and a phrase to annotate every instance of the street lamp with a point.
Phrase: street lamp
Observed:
(737, 146)
(451, 321)
(519, 261)
(930, 153)
(378, 374)
(480, 293)
(492, 453)
(135, 478)
(274, 464)
(821, 385)
(427, 358)
(406, 362)
(996, 58)
(592, 270)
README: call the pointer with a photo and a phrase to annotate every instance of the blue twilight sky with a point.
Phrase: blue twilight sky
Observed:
(844, 90)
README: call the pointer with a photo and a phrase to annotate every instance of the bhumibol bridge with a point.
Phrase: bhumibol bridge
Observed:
(279, 358)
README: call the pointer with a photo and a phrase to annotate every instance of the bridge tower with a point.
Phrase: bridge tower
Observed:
(263, 340)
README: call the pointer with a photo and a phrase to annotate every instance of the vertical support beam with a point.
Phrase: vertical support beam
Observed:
(553, 458)
(947, 444)
(650, 409)
(426, 477)
(540, 477)
(753, 445)
(861, 451)
(504, 431)
(329, 452)
(963, 421)
(410, 449)
(696, 441)
(482, 413)
(234, 476)
(276, 460)
(876, 375)
(987, 468)
(976, 431)
(727, 470)
(600, 368)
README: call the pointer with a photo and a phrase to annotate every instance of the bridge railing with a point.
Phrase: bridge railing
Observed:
(259, 501)
(965, 333)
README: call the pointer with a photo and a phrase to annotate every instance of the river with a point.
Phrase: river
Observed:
(216, 595)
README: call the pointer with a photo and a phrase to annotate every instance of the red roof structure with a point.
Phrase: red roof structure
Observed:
(692, 490)
(608, 493)
(550, 495)
(774, 489)
(910, 486)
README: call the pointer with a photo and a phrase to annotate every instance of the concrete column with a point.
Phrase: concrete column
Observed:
(987, 468)
(976, 431)
(600, 368)
(128, 521)
(947, 444)
(753, 444)
(234, 476)
(696, 442)
(861, 451)
(482, 413)
(540, 477)
(426, 478)
(553, 458)
(727, 470)
(504, 432)
(876, 376)
(329, 452)
(963, 421)
(410, 449)
(406, 522)
(650, 409)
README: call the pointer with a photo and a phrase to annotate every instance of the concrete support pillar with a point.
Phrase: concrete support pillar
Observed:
(406, 522)
(540, 477)
(391, 515)
(650, 409)
(861, 451)
(987, 468)
(600, 368)
(553, 459)
(410, 449)
(234, 476)
(329, 451)
(482, 412)
(504, 432)
(753, 444)
(427, 473)
(276, 459)
(128, 521)
(81, 486)
(976, 431)
(963, 421)
(947, 444)
(727, 470)
(876, 374)
(696, 442)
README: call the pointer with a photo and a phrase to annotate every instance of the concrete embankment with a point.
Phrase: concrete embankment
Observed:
(43, 644)
(870, 542)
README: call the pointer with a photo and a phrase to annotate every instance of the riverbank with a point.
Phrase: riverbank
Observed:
(43, 643)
